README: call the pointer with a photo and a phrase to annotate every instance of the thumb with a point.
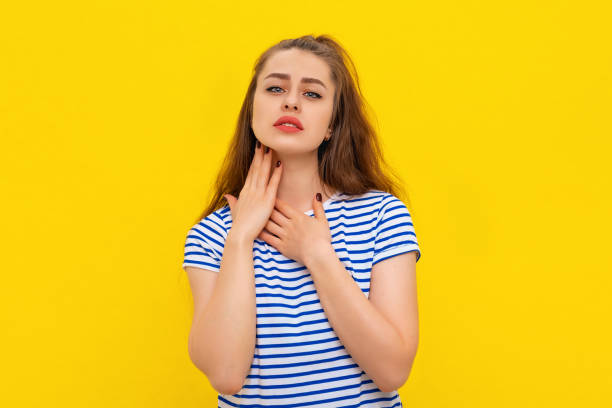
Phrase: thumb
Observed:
(231, 200)
(319, 211)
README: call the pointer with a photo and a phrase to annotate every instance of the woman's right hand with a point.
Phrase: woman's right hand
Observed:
(255, 203)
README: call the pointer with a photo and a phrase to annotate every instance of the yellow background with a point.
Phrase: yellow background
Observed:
(114, 117)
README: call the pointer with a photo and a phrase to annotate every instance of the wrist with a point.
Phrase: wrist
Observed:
(235, 237)
(319, 254)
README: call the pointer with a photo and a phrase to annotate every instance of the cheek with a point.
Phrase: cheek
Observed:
(262, 114)
(257, 112)
(323, 116)
(326, 107)
(261, 105)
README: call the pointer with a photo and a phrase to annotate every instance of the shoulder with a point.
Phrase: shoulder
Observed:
(215, 223)
(373, 199)
(205, 241)
(369, 197)
(372, 203)
(385, 205)
(388, 200)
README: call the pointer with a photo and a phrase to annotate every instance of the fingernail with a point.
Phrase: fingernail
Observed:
(278, 163)
(318, 196)
(267, 149)
(258, 144)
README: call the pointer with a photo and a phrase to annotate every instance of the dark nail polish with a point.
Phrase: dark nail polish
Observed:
(278, 163)
(318, 196)
(258, 144)
(267, 149)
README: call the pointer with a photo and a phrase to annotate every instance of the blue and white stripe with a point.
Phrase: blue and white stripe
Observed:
(299, 361)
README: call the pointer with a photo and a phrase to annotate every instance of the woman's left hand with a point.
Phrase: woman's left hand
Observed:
(298, 235)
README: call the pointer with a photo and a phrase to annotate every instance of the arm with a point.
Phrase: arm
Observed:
(384, 351)
(222, 337)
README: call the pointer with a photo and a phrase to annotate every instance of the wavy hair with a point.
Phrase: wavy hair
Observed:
(351, 161)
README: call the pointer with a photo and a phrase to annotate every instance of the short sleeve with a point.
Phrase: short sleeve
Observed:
(205, 242)
(394, 231)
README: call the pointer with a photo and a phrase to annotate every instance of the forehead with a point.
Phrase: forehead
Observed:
(298, 64)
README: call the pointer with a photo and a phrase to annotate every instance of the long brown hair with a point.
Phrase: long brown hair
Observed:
(350, 162)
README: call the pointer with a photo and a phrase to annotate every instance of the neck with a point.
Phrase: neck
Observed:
(300, 180)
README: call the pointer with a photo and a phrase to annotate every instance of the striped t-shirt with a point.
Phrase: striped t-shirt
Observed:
(299, 360)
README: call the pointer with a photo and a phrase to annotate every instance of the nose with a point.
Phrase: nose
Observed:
(291, 102)
(291, 106)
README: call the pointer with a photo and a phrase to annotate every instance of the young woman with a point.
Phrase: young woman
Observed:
(304, 283)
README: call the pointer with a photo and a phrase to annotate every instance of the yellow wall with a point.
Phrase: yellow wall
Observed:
(114, 117)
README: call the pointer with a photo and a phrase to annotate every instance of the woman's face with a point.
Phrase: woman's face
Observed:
(281, 92)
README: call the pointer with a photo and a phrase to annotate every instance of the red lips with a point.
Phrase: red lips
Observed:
(289, 119)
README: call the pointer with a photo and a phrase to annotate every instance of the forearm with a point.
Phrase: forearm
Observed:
(373, 343)
(222, 337)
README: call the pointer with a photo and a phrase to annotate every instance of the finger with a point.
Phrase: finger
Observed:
(256, 166)
(287, 210)
(274, 180)
(318, 209)
(249, 176)
(274, 228)
(264, 176)
(278, 218)
(231, 201)
(271, 239)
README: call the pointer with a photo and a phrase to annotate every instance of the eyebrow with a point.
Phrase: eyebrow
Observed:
(304, 80)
